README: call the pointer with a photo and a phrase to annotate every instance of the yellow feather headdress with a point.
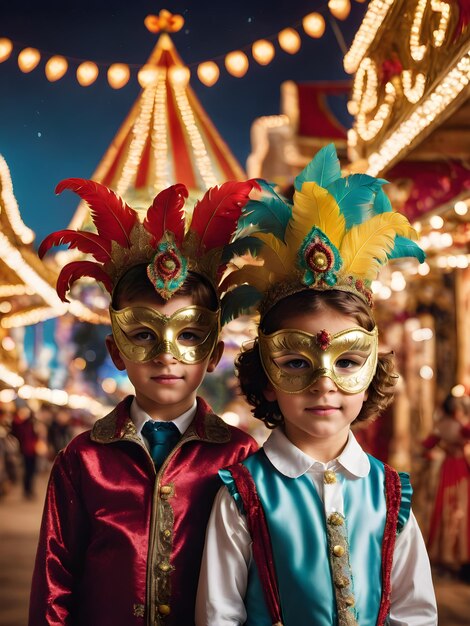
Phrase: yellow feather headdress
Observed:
(336, 235)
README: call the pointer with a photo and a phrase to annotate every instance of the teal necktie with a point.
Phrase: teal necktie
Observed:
(162, 437)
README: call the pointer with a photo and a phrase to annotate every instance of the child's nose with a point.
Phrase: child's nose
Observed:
(165, 356)
(323, 384)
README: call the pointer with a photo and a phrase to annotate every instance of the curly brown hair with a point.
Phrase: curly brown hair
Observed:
(253, 380)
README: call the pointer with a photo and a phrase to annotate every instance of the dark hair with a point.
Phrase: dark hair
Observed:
(253, 380)
(135, 284)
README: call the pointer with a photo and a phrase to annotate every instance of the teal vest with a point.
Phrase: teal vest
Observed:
(298, 531)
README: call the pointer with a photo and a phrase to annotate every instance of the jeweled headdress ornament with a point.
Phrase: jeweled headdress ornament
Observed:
(170, 240)
(336, 235)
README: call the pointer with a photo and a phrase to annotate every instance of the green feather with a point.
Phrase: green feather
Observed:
(355, 196)
(323, 169)
(240, 301)
(270, 214)
(404, 247)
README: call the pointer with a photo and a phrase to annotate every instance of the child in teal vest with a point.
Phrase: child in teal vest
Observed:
(311, 530)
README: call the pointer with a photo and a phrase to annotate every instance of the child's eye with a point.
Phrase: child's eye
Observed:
(290, 364)
(190, 336)
(348, 363)
(142, 336)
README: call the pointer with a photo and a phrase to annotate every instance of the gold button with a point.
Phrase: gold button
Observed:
(164, 566)
(350, 601)
(165, 491)
(338, 550)
(329, 477)
(167, 533)
(335, 519)
(164, 609)
(341, 581)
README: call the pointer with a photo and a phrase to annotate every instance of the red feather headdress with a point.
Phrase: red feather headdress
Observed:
(169, 240)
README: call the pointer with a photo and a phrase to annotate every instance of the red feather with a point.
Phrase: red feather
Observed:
(215, 216)
(166, 214)
(75, 270)
(85, 242)
(113, 218)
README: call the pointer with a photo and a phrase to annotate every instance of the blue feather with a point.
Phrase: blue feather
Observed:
(241, 246)
(355, 196)
(323, 169)
(405, 247)
(270, 214)
(240, 301)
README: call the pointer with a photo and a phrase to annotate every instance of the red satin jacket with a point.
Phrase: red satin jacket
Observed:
(120, 544)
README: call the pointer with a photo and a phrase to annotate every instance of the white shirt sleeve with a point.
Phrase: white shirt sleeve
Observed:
(413, 599)
(225, 563)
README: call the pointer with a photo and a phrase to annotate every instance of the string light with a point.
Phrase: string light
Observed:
(340, 8)
(460, 208)
(118, 75)
(28, 59)
(208, 73)
(6, 47)
(314, 25)
(263, 51)
(236, 63)
(289, 40)
(87, 73)
(56, 67)
(25, 234)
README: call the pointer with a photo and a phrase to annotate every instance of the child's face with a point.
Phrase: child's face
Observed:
(322, 413)
(165, 386)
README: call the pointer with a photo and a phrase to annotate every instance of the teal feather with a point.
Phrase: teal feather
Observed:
(241, 246)
(404, 247)
(382, 203)
(323, 169)
(355, 196)
(240, 301)
(270, 214)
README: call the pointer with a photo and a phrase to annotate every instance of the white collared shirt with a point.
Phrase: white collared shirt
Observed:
(139, 417)
(228, 554)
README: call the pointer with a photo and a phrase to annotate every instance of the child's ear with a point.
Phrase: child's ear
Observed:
(270, 393)
(215, 356)
(114, 353)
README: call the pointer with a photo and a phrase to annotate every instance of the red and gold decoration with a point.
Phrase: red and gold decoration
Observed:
(169, 241)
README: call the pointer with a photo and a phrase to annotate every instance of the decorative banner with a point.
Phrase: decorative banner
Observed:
(236, 62)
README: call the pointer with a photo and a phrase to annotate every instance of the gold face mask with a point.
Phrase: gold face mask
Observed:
(294, 360)
(142, 333)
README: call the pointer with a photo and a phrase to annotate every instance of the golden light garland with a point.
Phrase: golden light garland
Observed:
(235, 62)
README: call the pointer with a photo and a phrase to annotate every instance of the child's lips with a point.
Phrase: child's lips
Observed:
(322, 409)
(166, 379)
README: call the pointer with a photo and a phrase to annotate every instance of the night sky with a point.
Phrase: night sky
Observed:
(50, 131)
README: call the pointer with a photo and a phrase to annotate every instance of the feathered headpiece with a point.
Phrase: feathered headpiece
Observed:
(336, 235)
(168, 240)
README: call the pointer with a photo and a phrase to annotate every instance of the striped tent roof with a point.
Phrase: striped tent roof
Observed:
(166, 138)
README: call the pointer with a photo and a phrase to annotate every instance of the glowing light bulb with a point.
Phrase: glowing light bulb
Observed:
(208, 73)
(237, 63)
(289, 40)
(55, 68)
(314, 25)
(28, 59)
(118, 75)
(87, 73)
(263, 51)
(6, 47)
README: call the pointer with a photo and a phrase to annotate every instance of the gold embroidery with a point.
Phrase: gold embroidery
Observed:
(139, 610)
(341, 569)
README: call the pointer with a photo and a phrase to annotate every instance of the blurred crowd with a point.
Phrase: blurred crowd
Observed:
(30, 438)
